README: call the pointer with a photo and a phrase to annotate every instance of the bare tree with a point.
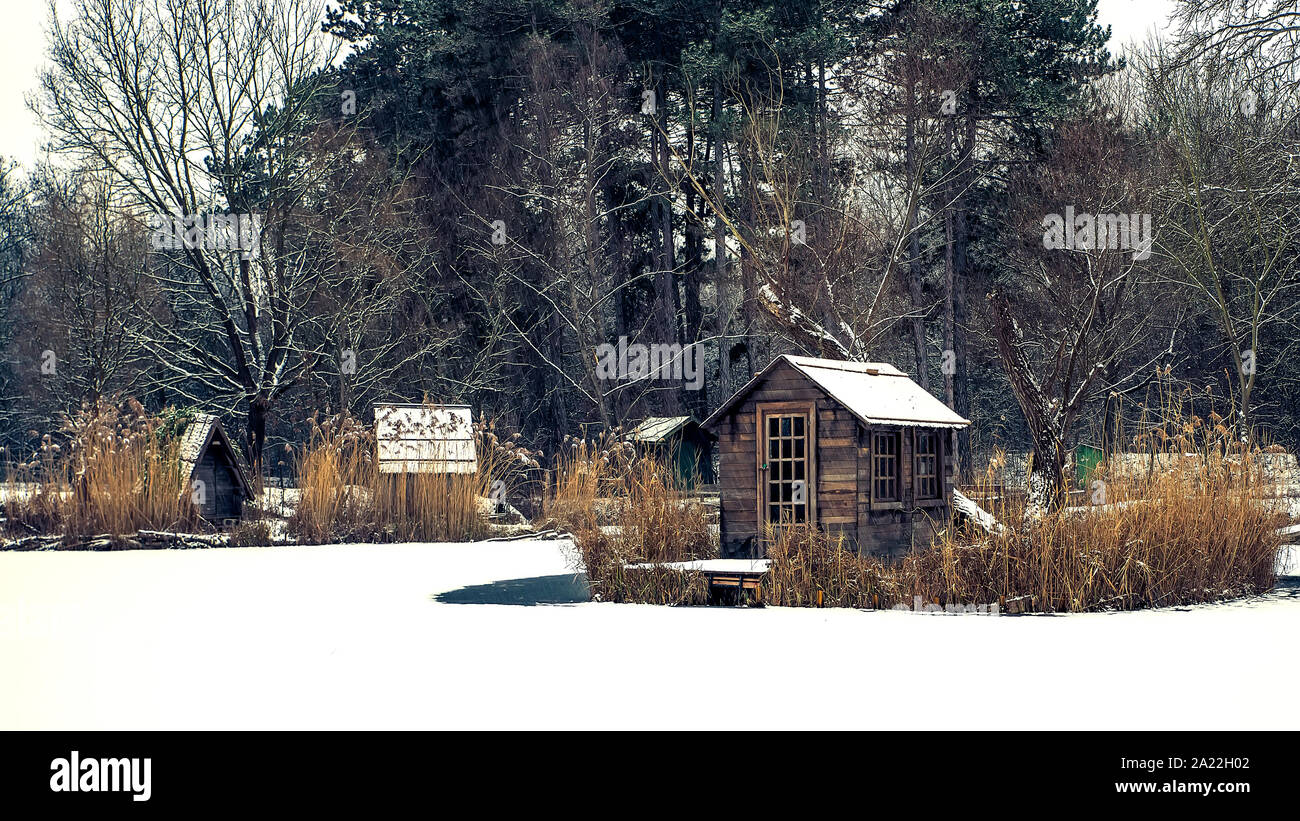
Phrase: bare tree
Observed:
(1262, 34)
(558, 209)
(1229, 206)
(15, 229)
(195, 107)
(824, 263)
(1070, 322)
(86, 284)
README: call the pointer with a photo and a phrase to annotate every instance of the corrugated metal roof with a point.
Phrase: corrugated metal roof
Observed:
(425, 439)
(875, 392)
(658, 428)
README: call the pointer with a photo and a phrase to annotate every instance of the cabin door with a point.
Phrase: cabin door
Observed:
(785, 466)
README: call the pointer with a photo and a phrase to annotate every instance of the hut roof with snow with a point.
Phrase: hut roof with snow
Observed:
(876, 393)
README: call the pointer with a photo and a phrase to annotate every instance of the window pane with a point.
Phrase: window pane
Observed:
(798, 426)
(785, 426)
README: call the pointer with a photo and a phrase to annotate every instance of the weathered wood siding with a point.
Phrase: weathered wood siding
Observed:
(842, 468)
(834, 487)
(223, 497)
(891, 530)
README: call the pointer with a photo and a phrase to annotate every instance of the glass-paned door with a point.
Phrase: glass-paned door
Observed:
(786, 448)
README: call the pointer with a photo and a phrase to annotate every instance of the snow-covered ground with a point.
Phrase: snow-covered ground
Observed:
(354, 636)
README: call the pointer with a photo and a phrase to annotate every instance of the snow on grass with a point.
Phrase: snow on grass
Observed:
(352, 636)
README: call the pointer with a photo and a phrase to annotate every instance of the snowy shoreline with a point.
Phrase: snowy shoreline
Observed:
(367, 636)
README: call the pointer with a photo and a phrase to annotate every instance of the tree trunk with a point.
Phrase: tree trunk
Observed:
(961, 273)
(949, 318)
(1047, 477)
(914, 253)
(258, 409)
(666, 297)
(720, 233)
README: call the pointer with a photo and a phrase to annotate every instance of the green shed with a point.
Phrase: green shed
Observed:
(683, 442)
(1086, 460)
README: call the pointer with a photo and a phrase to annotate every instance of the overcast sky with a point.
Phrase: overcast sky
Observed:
(24, 48)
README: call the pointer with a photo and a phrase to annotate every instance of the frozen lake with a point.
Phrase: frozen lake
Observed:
(406, 636)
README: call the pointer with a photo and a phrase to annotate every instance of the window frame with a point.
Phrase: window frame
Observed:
(896, 434)
(937, 436)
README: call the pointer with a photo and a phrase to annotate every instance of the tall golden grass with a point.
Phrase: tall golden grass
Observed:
(113, 471)
(626, 509)
(344, 496)
(1194, 525)
(811, 568)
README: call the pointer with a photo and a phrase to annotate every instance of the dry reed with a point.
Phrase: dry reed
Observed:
(112, 470)
(1195, 525)
(625, 509)
(345, 497)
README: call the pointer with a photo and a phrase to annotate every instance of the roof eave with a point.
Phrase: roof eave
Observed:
(915, 423)
(715, 417)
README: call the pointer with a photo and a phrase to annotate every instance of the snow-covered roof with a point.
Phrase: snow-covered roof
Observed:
(658, 428)
(425, 439)
(876, 393)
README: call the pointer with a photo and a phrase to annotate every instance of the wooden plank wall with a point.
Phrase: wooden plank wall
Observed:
(737, 459)
(222, 492)
(837, 485)
(837, 470)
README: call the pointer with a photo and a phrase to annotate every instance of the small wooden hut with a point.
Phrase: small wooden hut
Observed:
(212, 466)
(857, 448)
(681, 441)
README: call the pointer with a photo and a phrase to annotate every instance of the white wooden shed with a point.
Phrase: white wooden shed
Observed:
(425, 439)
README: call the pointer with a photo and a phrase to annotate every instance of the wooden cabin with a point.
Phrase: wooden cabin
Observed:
(682, 442)
(856, 447)
(211, 464)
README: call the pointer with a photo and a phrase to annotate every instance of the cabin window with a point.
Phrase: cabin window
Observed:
(884, 457)
(927, 465)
